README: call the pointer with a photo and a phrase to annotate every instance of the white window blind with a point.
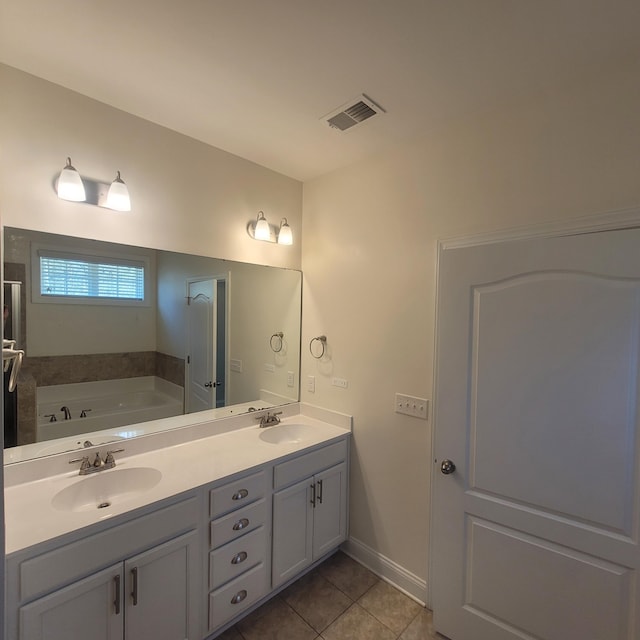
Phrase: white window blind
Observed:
(80, 276)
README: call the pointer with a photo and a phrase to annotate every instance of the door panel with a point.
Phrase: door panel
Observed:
(535, 534)
(525, 329)
(508, 582)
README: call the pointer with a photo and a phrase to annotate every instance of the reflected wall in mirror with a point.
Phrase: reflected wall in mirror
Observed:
(116, 335)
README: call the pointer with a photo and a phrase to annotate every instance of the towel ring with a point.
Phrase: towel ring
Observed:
(323, 341)
(279, 343)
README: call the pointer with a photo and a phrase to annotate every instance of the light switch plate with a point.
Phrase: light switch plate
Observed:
(235, 365)
(311, 384)
(339, 382)
(290, 379)
(412, 406)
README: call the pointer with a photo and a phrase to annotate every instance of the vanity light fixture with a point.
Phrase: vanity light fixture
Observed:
(70, 186)
(118, 195)
(260, 229)
(284, 235)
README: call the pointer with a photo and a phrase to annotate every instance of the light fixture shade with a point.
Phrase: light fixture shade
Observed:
(118, 195)
(284, 235)
(262, 231)
(70, 185)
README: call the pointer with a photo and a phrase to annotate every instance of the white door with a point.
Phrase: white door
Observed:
(535, 532)
(201, 346)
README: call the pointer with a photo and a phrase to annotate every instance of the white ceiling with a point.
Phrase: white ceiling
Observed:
(254, 77)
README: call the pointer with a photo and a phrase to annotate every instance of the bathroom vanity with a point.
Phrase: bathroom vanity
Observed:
(176, 542)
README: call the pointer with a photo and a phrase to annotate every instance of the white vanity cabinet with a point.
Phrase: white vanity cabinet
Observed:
(309, 509)
(65, 593)
(238, 543)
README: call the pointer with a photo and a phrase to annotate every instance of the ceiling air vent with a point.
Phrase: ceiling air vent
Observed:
(353, 113)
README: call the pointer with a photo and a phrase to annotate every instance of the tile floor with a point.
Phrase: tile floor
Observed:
(339, 600)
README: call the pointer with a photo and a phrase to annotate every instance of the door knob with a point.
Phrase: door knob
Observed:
(447, 467)
(208, 385)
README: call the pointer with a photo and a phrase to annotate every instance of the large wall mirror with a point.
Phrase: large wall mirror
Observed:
(118, 336)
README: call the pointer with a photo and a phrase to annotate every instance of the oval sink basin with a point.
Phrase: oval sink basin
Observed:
(100, 491)
(287, 433)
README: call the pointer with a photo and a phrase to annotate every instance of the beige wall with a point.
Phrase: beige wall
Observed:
(369, 259)
(186, 196)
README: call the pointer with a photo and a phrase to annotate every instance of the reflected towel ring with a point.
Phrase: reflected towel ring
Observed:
(323, 341)
(279, 343)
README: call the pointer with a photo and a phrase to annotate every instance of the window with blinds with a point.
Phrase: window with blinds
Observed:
(77, 277)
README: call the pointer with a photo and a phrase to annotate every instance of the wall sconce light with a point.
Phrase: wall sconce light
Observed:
(284, 235)
(118, 195)
(71, 186)
(260, 229)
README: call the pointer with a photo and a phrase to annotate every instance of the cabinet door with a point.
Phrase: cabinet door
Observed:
(162, 591)
(330, 512)
(292, 531)
(89, 608)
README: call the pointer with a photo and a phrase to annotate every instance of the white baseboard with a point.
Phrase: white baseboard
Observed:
(388, 570)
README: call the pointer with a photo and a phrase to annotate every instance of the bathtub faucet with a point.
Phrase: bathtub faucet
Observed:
(67, 412)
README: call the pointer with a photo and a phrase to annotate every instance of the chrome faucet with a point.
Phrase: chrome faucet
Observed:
(269, 419)
(67, 412)
(98, 464)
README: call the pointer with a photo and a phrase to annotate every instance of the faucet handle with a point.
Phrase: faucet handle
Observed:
(110, 459)
(85, 463)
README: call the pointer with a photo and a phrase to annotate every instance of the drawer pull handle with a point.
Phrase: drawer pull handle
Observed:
(239, 557)
(243, 523)
(134, 586)
(116, 602)
(239, 597)
(320, 491)
(240, 495)
(313, 495)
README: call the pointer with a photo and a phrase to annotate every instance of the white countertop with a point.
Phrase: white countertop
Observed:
(31, 518)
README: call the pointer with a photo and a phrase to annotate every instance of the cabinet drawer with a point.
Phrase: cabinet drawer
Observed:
(306, 465)
(237, 523)
(236, 494)
(236, 557)
(232, 599)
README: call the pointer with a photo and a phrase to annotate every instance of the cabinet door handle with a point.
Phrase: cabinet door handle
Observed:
(239, 557)
(240, 495)
(243, 523)
(239, 597)
(116, 602)
(320, 491)
(313, 495)
(134, 586)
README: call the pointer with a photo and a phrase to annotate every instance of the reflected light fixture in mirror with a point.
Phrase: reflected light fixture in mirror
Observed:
(118, 195)
(70, 185)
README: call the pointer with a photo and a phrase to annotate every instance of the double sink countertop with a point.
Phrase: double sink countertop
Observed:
(46, 507)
